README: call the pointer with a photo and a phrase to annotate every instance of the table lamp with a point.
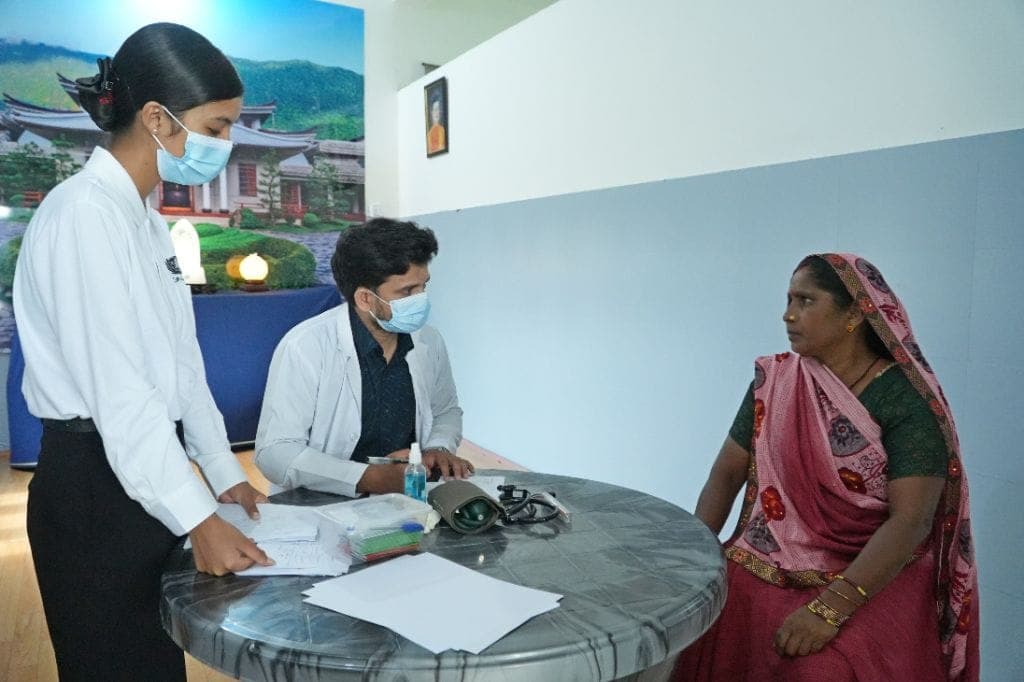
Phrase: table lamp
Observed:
(186, 249)
(254, 271)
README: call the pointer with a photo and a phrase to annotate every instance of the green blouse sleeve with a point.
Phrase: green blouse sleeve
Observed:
(742, 430)
(910, 431)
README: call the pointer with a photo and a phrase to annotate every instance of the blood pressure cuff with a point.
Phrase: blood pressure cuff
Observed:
(465, 507)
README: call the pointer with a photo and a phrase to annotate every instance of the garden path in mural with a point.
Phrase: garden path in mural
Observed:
(322, 246)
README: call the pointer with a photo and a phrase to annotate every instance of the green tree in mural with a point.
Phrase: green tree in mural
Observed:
(26, 169)
(325, 191)
(269, 186)
(64, 165)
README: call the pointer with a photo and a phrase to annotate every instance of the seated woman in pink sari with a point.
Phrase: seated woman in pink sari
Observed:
(853, 556)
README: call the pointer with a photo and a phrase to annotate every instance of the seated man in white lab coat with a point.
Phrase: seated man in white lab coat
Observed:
(364, 379)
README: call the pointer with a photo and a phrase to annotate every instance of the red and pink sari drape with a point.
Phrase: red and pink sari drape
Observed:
(816, 493)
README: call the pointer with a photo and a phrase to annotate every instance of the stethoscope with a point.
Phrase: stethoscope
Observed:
(519, 506)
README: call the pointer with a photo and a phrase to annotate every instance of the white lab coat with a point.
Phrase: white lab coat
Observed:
(311, 418)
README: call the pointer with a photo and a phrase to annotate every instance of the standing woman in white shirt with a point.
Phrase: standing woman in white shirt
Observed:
(112, 363)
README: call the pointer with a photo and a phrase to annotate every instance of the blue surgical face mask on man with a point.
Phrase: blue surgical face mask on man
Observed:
(203, 160)
(407, 314)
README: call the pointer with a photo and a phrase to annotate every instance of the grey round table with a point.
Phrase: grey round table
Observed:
(642, 579)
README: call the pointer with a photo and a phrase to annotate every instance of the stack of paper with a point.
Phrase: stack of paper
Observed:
(277, 522)
(434, 602)
(298, 539)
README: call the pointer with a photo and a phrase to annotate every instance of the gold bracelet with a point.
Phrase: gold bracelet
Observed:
(826, 613)
(840, 594)
(840, 576)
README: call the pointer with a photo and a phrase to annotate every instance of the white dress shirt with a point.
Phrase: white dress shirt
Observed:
(311, 418)
(108, 332)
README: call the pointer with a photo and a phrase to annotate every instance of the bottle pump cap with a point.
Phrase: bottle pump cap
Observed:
(415, 456)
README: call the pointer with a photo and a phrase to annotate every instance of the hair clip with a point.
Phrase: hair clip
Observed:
(102, 82)
(100, 86)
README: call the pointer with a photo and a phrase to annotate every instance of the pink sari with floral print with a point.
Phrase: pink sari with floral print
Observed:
(816, 493)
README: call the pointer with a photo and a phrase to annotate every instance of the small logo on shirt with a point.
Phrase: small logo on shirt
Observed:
(172, 265)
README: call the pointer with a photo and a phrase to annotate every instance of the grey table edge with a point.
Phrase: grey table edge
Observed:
(642, 579)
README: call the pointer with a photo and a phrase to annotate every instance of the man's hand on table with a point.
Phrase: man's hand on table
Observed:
(390, 478)
(447, 464)
(384, 478)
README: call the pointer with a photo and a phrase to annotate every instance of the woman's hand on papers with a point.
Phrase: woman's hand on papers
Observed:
(247, 496)
(220, 548)
(447, 464)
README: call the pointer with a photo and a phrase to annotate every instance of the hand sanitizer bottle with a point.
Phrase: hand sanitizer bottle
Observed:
(416, 475)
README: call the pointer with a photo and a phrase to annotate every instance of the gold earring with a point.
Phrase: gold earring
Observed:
(850, 328)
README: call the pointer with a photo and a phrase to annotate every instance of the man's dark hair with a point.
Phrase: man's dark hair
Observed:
(166, 63)
(366, 255)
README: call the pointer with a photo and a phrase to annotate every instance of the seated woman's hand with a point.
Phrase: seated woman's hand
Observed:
(803, 633)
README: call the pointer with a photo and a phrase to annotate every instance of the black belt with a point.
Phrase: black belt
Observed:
(87, 425)
(75, 425)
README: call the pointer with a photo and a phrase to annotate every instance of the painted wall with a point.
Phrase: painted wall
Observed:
(610, 334)
(630, 185)
(602, 93)
(400, 36)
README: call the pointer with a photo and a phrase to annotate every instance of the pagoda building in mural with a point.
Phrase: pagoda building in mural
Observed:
(238, 186)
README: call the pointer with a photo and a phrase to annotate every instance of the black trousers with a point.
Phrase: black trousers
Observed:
(98, 558)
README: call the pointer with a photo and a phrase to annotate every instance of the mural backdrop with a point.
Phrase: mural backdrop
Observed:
(296, 174)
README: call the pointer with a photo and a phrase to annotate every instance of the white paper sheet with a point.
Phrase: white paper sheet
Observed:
(326, 555)
(282, 522)
(298, 539)
(434, 602)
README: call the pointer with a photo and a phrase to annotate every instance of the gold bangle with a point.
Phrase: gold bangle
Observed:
(840, 576)
(840, 594)
(826, 613)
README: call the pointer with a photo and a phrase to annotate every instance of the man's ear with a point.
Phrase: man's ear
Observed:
(362, 299)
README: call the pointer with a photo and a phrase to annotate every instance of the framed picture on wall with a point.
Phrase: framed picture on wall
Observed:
(435, 107)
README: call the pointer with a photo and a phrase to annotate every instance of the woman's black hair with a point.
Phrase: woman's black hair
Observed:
(166, 63)
(366, 255)
(826, 278)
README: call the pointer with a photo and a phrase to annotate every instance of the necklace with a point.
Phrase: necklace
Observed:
(864, 374)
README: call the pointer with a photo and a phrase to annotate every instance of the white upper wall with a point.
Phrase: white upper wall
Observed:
(400, 36)
(590, 94)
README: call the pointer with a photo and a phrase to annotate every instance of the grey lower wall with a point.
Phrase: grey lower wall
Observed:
(610, 334)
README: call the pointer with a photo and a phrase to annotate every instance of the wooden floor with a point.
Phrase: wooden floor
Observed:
(25, 651)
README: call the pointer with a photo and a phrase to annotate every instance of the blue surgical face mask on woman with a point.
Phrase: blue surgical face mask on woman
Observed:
(203, 160)
(407, 314)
